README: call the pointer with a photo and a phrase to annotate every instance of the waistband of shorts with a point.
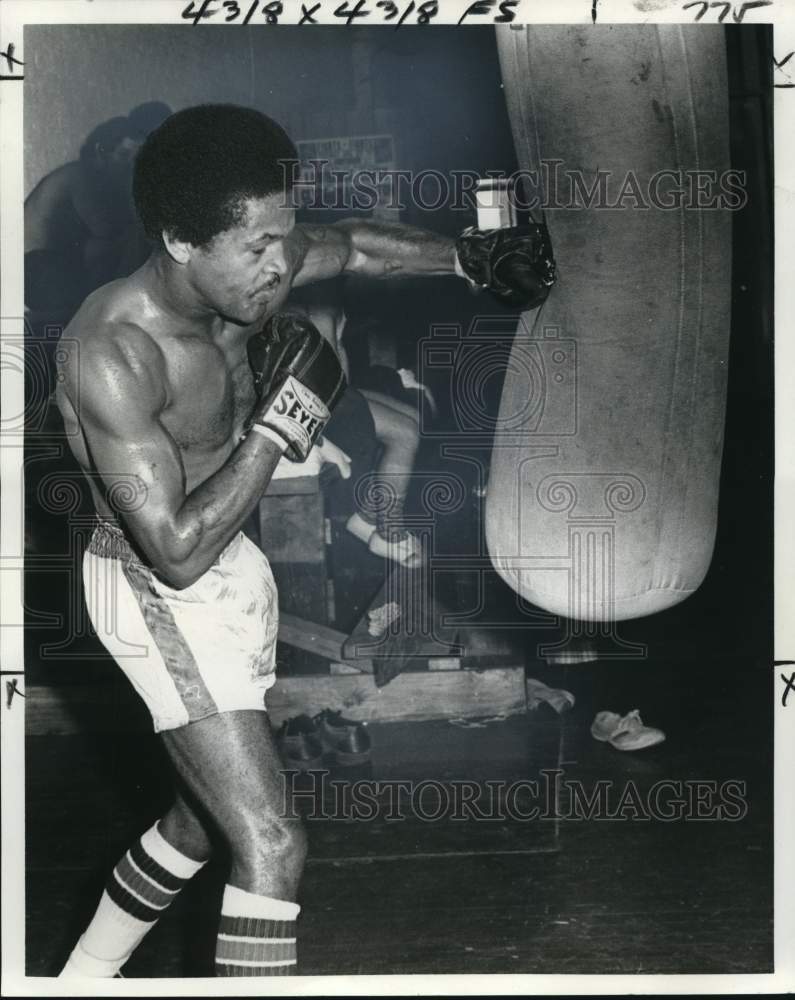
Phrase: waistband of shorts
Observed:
(109, 541)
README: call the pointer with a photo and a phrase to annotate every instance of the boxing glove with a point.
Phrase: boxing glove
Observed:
(515, 264)
(298, 379)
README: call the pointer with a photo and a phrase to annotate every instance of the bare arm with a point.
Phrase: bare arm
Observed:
(43, 210)
(122, 398)
(373, 249)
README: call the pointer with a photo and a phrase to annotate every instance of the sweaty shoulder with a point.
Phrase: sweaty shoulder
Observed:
(112, 360)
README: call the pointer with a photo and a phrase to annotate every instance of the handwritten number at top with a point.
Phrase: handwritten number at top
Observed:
(197, 12)
(350, 14)
(349, 11)
(738, 11)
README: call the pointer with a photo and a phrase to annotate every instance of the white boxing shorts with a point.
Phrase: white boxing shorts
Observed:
(189, 653)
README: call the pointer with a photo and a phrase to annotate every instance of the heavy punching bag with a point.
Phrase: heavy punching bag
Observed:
(603, 487)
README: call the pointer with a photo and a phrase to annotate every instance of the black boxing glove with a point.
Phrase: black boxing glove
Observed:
(515, 264)
(298, 379)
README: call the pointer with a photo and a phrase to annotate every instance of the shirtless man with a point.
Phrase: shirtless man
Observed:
(158, 390)
(79, 221)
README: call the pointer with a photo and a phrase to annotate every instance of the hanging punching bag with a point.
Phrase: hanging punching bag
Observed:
(603, 487)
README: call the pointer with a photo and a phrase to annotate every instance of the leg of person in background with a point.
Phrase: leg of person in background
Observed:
(231, 766)
(351, 429)
(140, 888)
(397, 430)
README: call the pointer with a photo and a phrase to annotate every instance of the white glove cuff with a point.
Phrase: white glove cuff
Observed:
(272, 435)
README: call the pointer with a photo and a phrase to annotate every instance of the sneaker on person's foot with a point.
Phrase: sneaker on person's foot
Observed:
(625, 732)
(401, 547)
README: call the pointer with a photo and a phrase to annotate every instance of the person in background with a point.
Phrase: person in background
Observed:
(391, 397)
(79, 221)
(81, 230)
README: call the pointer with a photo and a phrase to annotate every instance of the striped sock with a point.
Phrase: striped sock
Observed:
(139, 889)
(256, 936)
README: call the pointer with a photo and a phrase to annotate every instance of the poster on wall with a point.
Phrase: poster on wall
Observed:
(396, 483)
(353, 171)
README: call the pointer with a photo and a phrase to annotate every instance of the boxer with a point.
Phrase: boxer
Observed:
(178, 436)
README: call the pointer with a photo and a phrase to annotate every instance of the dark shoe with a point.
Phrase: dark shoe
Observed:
(300, 743)
(348, 740)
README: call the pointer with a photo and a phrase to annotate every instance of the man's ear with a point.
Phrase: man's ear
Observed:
(178, 250)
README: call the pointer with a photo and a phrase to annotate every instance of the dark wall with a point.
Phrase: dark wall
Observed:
(438, 93)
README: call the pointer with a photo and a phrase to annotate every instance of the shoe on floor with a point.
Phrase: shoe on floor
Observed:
(347, 739)
(604, 725)
(300, 743)
(625, 732)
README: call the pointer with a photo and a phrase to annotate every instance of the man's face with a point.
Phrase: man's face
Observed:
(245, 272)
(118, 161)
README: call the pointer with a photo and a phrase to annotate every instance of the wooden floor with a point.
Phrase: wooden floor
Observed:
(566, 896)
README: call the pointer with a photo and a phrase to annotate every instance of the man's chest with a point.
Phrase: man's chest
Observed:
(211, 395)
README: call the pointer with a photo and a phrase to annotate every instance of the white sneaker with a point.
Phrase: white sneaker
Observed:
(625, 733)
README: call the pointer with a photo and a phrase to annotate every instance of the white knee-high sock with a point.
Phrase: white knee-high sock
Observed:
(140, 888)
(256, 936)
